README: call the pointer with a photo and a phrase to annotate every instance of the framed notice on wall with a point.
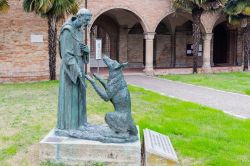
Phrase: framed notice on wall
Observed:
(200, 50)
(98, 48)
(189, 50)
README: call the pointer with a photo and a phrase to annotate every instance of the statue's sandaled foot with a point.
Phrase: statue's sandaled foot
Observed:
(86, 126)
(62, 133)
(100, 133)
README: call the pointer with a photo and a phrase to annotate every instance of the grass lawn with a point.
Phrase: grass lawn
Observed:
(200, 135)
(238, 82)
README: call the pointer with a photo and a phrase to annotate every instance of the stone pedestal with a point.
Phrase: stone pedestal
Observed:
(71, 151)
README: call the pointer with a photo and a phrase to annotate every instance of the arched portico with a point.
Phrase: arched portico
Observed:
(225, 43)
(128, 9)
(122, 33)
(173, 42)
(149, 45)
(221, 42)
(140, 32)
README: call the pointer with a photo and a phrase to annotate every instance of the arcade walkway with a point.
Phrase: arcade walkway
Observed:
(231, 103)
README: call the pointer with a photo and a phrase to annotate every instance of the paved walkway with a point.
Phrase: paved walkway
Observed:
(231, 103)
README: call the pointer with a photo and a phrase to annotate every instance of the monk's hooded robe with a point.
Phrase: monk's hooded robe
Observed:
(72, 92)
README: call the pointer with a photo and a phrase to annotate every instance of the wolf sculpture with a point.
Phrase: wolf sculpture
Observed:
(116, 91)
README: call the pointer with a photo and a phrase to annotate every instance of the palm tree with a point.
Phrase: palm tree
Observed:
(4, 6)
(238, 12)
(196, 8)
(53, 10)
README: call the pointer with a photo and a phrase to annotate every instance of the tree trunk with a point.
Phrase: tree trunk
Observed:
(196, 37)
(52, 36)
(246, 47)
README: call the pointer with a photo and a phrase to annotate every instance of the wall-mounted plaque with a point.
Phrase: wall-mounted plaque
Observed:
(189, 50)
(36, 38)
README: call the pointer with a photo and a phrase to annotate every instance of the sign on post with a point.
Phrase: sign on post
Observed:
(98, 46)
(98, 52)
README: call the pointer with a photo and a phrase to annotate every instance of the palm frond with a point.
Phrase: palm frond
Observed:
(56, 8)
(4, 6)
(237, 11)
(198, 2)
(246, 11)
(205, 5)
(40, 7)
(212, 5)
(44, 5)
(235, 7)
(60, 7)
(234, 20)
(184, 5)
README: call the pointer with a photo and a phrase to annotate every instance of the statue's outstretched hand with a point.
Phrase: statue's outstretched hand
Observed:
(97, 76)
(90, 79)
(84, 49)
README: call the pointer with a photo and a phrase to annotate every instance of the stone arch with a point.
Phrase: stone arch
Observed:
(163, 28)
(136, 29)
(161, 18)
(185, 27)
(172, 12)
(132, 11)
(208, 21)
(106, 28)
(118, 22)
(170, 49)
(219, 20)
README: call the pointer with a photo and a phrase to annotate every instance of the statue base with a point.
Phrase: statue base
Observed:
(101, 133)
(72, 151)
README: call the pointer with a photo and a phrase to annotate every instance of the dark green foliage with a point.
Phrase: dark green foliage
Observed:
(238, 12)
(238, 7)
(57, 8)
(4, 6)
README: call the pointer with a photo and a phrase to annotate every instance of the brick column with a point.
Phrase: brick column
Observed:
(207, 52)
(149, 52)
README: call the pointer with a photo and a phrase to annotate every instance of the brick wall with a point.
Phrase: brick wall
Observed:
(163, 51)
(135, 50)
(182, 60)
(20, 59)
